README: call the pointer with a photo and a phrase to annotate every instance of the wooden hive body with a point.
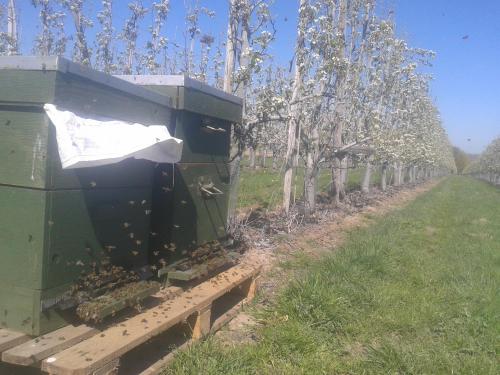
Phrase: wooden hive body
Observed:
(56, 223)
(189, 218)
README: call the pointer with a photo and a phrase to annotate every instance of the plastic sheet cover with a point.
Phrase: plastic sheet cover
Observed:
(91, 142)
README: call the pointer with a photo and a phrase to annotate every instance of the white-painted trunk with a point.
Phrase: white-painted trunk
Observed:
(365, 185)
(310, 180)
(344, 176)
(383, 177)
(293, 121)
(234, 167)
(264, 158)
(12, 28)
(251, 157)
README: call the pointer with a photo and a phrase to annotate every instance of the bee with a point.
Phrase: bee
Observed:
(147, 212)
(93, 184)
(156, 253)
(51, 222)
(131, 203)
(138, 242)
(153, 234)
(131, 235)
(134, 253)
(163, 262)
(143, 202)
(126, 225)
(79, 263)
(183, 202)
(154, 268)
(166, 189)
(176, 226)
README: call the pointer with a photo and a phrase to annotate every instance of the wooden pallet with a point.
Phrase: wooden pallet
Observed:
(84, 350)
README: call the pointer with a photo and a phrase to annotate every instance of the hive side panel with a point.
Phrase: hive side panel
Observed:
(17, 309)
(23, 146)
(198, 219)
(22, 239)
(88, 225)
(28, 87)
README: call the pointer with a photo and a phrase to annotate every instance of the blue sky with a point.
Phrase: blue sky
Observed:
(466, 87)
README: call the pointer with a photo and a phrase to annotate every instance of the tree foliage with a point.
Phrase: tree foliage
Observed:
(487, 167)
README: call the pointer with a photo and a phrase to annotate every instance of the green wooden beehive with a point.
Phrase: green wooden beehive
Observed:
(194, 194)
(55, 223)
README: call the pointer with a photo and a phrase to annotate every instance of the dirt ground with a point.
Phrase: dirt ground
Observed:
(324, 233)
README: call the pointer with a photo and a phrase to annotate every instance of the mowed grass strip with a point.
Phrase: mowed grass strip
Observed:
(415, 293)
(263, 187)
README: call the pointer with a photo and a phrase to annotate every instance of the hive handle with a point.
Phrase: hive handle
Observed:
(212, 129)
(211, 190)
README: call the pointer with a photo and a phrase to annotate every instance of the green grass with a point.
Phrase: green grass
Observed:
(415, 293)
(264, 187)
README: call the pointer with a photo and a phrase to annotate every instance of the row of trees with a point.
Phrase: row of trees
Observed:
(353, 94)
(488, 165)
(356, 95)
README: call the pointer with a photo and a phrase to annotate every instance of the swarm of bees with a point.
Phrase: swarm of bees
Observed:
(129, 295)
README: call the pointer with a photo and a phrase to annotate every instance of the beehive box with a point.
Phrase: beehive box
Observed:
(55, 223)
(191, 216)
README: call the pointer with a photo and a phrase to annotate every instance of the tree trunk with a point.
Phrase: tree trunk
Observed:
(293, 122)
(339, 89)
(251, 157)
(311, 172)
(234, 167)
(310, 181)
(383, 177)
(397, 174)
(365, 185)
(275, 160)
(344, 176)
(264, 157)
(12, 28)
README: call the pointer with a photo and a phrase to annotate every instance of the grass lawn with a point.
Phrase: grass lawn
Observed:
(415, 293)
(264, 187)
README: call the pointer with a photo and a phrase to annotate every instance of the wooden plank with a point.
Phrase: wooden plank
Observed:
(110, 369)
(159, 366)
(201, 326)
(92, 354)
(32, 352)
(9, 339)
